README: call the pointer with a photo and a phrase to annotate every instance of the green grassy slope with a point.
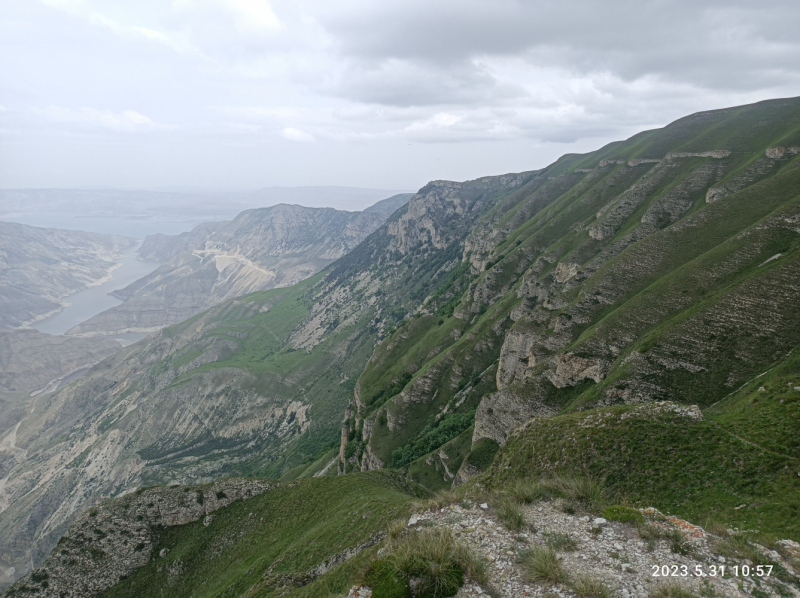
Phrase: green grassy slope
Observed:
(672, 297)
(739, 465)
(294, 539)
(272, 544)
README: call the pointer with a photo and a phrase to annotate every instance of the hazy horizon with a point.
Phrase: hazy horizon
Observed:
(141, 212)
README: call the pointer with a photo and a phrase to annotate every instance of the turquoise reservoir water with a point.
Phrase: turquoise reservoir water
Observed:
(90, 302)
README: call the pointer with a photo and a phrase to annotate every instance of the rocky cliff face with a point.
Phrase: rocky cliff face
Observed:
(41, 266)
(113, 539)
(260, 249)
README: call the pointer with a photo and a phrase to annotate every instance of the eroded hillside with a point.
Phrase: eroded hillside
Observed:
(665, 267)
(259, 250)
(254, 386)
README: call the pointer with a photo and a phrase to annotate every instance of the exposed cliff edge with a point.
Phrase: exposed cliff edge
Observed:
(113, 539)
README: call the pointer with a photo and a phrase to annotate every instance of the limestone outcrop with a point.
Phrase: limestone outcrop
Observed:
(112, 539)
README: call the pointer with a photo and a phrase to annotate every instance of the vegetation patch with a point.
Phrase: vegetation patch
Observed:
(542, 564)
(282, 534)
(623, 514)
(692, 468)
(482, 454)
(432, 437)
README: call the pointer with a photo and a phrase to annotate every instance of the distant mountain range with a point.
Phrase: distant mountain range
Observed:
(138, 213)
(259, 250)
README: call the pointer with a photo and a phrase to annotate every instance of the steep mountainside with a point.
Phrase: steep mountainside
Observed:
(32, 363)
(664, 267)
(41, 266)
(256, 385)
(302, 532)
(259, 250)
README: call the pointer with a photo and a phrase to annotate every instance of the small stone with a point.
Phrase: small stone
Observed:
(797, 388)
(163, 552)
(414, 519)
(721, 559)
(484, 506)
(207, 521)
(599, 522)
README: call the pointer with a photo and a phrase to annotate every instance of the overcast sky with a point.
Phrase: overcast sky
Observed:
(381, 93)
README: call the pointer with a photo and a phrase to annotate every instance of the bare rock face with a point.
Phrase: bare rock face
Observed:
(370, 460)
(515, 358)
(499, 413)
(564, 271)
(113, 539)
(571, 370)
(780, 152)
(709, 154)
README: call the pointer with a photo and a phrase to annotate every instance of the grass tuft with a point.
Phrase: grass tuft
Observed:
(678, 542)
(590, 586)
(508, 510)
(560, 542)
(395, 529)
(528, 491)
(438, 559)
(439, 500)
(586, 490)
(542, 564)
(650, 534)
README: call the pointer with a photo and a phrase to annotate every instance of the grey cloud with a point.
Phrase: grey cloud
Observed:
(187, 93)
(714, 44)
(406, 83)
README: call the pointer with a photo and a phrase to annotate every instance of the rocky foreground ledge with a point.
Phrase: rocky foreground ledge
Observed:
(614, 555)
(110, 541)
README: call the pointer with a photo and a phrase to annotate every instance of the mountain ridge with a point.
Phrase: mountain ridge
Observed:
(260, 249)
